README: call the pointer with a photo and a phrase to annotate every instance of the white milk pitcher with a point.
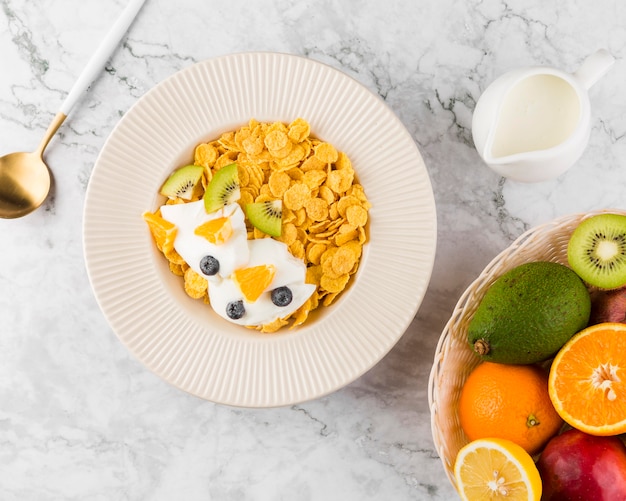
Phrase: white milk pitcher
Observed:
(532, 124)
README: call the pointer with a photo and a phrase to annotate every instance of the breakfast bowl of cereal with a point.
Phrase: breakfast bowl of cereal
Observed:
(259, 229)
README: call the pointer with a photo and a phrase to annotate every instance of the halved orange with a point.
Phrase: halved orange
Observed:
(163, 232)
(254, 280)
(217, 231)
(492, 469)
(587, 382)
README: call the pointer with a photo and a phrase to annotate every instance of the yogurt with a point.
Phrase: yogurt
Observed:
(290, 272)
(236, 253)
(232, 254)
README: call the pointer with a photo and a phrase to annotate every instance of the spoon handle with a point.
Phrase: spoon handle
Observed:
(98, 60)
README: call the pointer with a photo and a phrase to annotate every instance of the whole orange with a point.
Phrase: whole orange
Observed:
(510, 402)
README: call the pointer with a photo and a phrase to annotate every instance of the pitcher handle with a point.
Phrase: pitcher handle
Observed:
(594, 68)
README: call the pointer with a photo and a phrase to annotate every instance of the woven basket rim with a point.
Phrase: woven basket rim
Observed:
(453, 358)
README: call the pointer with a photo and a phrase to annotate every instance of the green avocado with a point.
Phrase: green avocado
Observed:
(529, 313)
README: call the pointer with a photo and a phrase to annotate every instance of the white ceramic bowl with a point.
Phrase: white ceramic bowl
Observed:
(183, 340)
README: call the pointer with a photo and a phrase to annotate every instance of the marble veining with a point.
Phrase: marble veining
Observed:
(82, 420)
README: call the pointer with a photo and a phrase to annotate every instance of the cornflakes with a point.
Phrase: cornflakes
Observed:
(325, 210)
(277, 140)
(295, 197)
(174, 257)
(314, 178)
(314, 252)
(316, 209)
(326, 152)
(299, 130)
(279, 183)
(356, 215)
(195, 285)
(289, 234)
(340, 180)
(178, 269)
(205, 155)
(334, 284)
(343, 261)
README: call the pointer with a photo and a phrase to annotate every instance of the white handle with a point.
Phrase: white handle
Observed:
(98, 60)
(594, 67)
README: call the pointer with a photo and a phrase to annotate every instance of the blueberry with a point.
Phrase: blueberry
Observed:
(209, 265)
(282, 296)
(235, 310)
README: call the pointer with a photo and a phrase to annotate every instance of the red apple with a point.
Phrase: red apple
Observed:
(578, 466)
(608, 306)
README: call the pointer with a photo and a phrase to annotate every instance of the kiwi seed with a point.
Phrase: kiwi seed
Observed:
(266, 216)
(183, 182)
(597, 251)
(223, 188)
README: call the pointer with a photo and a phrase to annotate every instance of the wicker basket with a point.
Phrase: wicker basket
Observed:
(454, 359)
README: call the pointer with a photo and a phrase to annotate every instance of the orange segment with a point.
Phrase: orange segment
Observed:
(254, 280)
(492, 469)
(217, 231)
(587, 381)
(162, 231)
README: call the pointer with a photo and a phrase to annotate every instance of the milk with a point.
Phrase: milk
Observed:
(539, 112)
(531, 124)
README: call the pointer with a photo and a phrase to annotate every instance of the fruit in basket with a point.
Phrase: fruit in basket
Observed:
(576, 465)
(587, 381)
(509, 402)
(597, 250)
(608, 306)
(496, 469)
(528, 313)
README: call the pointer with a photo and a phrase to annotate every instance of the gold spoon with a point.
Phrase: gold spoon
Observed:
(25, 177)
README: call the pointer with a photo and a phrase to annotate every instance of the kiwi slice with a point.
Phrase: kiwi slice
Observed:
(266, 216)
(597, 251)
(223, 188)
(184, 182)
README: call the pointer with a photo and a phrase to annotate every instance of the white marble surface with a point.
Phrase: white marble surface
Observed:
(80, 419)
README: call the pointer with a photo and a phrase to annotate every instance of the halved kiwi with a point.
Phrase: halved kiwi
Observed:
(223, 188)
(183, 182)
(266, 216)
(597, 251)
